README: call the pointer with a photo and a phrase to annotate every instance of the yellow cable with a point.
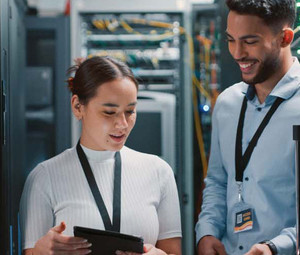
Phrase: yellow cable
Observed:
(197, 84)
(192, 66)
(99, 24)
(200, 87)
(128, 28)
(199, 134)
(160, 24)
(297, 29)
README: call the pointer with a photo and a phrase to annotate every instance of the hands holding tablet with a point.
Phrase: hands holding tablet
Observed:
(54, 242)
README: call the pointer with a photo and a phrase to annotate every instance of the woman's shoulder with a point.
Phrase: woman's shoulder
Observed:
(137, 155)
(64, 157)
(150, 161)
(55, 163)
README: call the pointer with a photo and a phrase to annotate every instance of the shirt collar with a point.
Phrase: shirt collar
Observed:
(285, 88)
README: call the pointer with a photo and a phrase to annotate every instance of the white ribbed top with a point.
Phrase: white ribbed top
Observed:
(57, 190)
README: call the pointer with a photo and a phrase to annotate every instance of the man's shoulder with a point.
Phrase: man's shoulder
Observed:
(235, 90)
(233, 94)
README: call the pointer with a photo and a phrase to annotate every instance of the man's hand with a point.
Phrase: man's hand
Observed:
(209, 245)
(259, 249)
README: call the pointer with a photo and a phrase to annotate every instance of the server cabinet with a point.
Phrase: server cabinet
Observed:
(15, 108)
(12, 122)
(4, 195)
(47, 99)
(151, 39)
(296, 43)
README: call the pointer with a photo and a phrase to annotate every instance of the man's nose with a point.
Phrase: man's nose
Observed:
(238, 51)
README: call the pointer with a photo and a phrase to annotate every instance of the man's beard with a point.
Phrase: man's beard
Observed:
(268, 68)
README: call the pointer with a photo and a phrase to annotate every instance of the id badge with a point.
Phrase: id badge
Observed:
(243, 215)
(243, 220)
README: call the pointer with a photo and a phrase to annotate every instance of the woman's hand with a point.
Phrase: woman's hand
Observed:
(149, 249)
(55, 243)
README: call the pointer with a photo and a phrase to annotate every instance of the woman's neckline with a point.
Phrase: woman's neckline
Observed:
(98, 156)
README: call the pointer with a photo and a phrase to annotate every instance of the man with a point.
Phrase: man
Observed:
(249, 199)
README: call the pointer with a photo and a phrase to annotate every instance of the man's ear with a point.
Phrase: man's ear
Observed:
(287, 37)
(76, 107)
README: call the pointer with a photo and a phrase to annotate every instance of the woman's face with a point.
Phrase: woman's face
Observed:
(109, 116)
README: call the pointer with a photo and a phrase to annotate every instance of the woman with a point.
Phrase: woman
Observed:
(57, 196)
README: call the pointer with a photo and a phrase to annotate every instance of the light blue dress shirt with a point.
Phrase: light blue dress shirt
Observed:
(269, 178)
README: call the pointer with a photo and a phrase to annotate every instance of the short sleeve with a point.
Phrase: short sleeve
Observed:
(36, 213)
(168, 209)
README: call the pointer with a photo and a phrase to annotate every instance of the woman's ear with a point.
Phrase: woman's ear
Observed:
(287, 38)
(76, 107)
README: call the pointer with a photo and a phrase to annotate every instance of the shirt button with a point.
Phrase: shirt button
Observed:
(258, 108)
(246, 179)
(241, 247)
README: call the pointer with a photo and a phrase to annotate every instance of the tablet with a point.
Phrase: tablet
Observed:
(108, 242)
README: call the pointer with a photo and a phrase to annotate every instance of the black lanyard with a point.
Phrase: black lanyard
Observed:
(241, 161)
(96, 193)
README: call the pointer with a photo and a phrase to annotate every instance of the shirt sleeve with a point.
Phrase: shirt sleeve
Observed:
(168, 209)
(286, 241)
(36, 214)
(212, 219)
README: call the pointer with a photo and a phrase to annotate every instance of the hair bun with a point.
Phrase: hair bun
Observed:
(71, 83)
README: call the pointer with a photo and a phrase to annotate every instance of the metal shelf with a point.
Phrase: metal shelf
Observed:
(127, 38)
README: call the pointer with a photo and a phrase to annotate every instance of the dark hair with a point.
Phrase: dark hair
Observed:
(93, 72)
(275, 13)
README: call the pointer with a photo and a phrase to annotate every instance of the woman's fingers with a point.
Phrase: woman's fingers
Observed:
(59, 228)
(75, 252)
(70, 247)
(126, 253)
(59, 238)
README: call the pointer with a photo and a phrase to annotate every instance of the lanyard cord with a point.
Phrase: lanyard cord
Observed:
(241, 161)
(96, 192)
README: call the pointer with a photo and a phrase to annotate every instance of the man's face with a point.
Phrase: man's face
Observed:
(254, 46)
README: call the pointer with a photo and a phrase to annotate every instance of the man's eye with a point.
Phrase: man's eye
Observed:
(229, 40)
(130, 112)
(250, 42)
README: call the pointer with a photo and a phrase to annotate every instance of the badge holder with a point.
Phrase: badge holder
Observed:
(243, 213)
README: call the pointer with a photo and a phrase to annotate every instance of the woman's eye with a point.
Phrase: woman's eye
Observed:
(130, 112)
(109, 113)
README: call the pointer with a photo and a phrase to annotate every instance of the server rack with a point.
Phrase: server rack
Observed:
(4, 193)
(206, 20)
(12, 122)
(296, 43)
(151, 45)
(47, 99)
(150, 38)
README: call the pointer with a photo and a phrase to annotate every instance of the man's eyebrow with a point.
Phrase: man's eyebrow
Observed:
(243, 37)
(228, 34)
